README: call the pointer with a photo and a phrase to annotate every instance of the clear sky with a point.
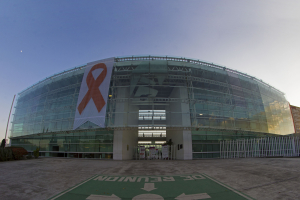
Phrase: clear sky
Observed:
(41, 38)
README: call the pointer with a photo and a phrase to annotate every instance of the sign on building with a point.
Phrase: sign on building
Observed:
(152, 152)
(142, 152)
(165, 151)
(93, 94)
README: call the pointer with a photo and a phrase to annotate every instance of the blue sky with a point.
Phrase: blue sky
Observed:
(260, 38)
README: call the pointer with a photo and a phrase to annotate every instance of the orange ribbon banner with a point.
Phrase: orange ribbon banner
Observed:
(94, 92)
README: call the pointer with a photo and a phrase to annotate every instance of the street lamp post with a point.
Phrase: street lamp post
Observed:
(9, 118)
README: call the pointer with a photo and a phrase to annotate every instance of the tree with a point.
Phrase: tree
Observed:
(3, 143)
(36, 152)
(169, 142)
(18, 152)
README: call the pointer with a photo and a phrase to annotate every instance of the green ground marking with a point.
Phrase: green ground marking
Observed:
(179, 187)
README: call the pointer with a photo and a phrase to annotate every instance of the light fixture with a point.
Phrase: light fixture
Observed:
(160, 142)
(144, 142)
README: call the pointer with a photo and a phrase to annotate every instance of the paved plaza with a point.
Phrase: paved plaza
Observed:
(62, 178)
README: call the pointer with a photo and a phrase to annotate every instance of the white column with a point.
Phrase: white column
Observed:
(187, 145)
(124, 143)
(117, 147)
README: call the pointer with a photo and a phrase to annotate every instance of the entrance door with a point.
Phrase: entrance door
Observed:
(154, 152)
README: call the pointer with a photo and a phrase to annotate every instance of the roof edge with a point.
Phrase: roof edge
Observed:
(168, 58)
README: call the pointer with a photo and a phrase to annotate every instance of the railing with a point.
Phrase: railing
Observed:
(154, 117)
(152, 135)
(260, 147)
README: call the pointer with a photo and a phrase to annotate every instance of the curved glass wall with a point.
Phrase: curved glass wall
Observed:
(48, 106)
(217, 98)
(192, 94)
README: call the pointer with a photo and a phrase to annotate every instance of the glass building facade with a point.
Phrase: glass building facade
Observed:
(212, 102)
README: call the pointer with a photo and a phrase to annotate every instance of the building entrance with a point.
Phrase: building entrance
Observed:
(151, 135)
(154, 152)
(147, 142)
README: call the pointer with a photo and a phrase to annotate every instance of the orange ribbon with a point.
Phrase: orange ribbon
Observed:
(94, 92)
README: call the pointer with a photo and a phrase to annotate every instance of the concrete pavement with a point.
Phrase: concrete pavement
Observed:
(260, 178)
